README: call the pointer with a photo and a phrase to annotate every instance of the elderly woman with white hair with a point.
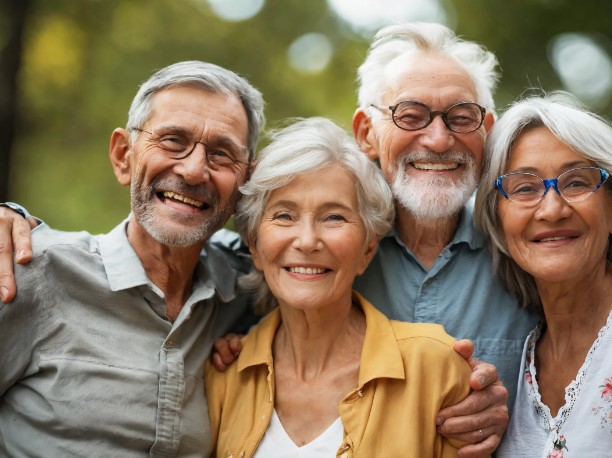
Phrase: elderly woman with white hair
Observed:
(326, 374)
(546, 203)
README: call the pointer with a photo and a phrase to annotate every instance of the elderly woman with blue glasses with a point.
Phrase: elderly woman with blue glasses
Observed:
(545, 202)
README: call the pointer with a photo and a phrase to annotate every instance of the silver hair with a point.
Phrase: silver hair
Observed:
(406, 39)
(306, 146)
(586, 133)
(209, 76)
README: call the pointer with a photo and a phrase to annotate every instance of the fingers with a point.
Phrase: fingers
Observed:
(226, 350)
(483, 448)
(22, 238)
(478, 410)
(480, 419)
(465, 348)
(483, 375)
(14, 238)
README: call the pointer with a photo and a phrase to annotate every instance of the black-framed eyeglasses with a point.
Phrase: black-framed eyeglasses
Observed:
(463, 117)
(573, 185)
(178, 145)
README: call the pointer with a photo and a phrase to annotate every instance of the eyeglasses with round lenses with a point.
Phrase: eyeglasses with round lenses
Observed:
(179, 146)
(462, 117)
(573, 185)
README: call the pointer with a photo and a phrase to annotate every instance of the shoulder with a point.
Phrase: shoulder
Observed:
(44, 238)
(54, 253)
(431, 343)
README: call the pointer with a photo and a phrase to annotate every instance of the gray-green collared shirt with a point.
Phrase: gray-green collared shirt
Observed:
(90, 365)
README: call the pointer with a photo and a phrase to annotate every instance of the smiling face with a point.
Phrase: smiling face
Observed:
(311, 242)
(182, 202)
(433, 171)
(555, 241)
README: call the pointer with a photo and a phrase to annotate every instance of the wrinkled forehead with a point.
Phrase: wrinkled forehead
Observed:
(433, 79)
(198, 110)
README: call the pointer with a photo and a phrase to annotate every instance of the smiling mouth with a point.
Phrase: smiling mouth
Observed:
(435, 165)
(184, 199)
(307, 270)
(554, 239)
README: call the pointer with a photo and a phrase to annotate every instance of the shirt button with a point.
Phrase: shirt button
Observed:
(429, 281)
(169, 343)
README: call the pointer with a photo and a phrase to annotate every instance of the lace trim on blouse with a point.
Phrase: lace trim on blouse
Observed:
(571, 391)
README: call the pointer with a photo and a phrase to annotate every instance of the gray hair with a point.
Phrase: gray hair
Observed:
(406, 39)
(586, 133)
(306, 146)
(209, 76)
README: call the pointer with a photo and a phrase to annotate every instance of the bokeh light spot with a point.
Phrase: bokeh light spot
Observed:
(310, 53)
(236, 10)
(584, 67)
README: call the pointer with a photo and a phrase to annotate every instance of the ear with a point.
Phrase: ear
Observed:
(120, 153)
(369, 254)
(254, 254)
(488, 121)
(364, 133)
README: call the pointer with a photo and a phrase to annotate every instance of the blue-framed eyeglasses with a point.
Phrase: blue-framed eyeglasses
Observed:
(573, 185)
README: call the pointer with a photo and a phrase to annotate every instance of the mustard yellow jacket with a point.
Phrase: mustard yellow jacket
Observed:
(408, 372)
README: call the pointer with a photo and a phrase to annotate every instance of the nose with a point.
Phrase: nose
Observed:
(553, 207)
(194, 168)
(437, 137)
(307, 238)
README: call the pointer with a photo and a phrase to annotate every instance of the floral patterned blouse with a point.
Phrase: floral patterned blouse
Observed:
(582, 427)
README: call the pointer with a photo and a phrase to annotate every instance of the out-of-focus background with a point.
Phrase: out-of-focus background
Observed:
(69, 70)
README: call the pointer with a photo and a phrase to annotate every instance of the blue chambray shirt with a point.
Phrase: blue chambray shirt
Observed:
(90, 365)
(460, 292)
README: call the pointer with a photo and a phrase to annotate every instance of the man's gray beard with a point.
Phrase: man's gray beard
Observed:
(144, 212)
(433, 199)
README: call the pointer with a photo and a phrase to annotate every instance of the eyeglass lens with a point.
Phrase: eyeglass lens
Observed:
(178, 146)
(573, 185)
(463, 117)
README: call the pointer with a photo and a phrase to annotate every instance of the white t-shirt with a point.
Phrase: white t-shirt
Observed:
(276, 443)
(582, 427)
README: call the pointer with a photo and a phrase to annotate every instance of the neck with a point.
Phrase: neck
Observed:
(169, 268)
(308, 341)
(576, 311)
(426, 238)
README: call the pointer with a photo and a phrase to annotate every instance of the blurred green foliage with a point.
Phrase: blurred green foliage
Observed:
(84, 59)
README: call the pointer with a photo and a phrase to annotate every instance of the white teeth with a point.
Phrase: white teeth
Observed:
(435, 166)
(552, 239)
(184, 199)
(306, 270)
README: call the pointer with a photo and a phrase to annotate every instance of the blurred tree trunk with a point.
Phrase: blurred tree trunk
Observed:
(13, 14)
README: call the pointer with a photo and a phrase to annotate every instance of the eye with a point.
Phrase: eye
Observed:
(282, 216)
(524, 188)
(336, 217)
(175, 143)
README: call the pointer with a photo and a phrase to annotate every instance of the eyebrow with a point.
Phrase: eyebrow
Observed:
(285, 203)
(566, 166)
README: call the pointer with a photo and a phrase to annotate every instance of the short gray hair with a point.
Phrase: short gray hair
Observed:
(306, 146)
(586, 133)
(406, 39)
(209, 76)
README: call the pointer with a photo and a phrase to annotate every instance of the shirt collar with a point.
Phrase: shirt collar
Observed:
(380, 356)
(124, 269)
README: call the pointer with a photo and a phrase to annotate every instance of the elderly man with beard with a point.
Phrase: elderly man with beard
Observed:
(425, 106)
(104, 346)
